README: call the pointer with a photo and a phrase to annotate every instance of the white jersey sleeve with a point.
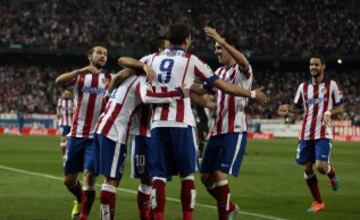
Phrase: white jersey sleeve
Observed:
(336, 94)
(298, 100)
(203, 72)
(149, 96)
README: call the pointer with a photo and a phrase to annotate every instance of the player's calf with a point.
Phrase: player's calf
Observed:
(158, 196)
(107, 200)
(188, 196)
(143, 201)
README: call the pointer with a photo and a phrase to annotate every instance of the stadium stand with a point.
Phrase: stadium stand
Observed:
(276, 31)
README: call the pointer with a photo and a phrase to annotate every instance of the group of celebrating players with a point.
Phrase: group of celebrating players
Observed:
(150, 101)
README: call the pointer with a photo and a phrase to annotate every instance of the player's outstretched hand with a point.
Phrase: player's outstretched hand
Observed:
(260, 96)
(150, 73)
(87, 69)
(284, 109)
(211, 32)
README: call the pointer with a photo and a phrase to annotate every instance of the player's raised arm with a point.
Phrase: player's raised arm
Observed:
(128, 62)
(236, 54)
(204, 72)
(71, 76)
(120, 76)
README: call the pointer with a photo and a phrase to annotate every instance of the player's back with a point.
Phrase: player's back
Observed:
(114, 122)
(174, 68)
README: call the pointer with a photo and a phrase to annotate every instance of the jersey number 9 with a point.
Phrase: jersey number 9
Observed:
(166, 66)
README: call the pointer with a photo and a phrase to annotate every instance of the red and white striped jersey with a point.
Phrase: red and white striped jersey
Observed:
(140, 124)
(90, 98)
(65, 108)
(175, 67)
(316, 100)
(230, 110)
(124, 102)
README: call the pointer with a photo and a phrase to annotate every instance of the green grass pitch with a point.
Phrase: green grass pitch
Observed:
(270, 185)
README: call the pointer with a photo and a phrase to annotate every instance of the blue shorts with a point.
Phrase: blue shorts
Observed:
(139, 155)
(110, 157)
(172, 151)
(80, 155)
(311, 150)
(224, 152)
(64, 130)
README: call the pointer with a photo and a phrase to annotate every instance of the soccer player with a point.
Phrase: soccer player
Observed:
(91, 83)
(112, 130)
(65, 111)
(321, 100)
(227, 144)
(172, 149)
(140, 137)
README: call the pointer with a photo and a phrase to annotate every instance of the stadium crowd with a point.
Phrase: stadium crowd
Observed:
(262, 27)
(32, 89)
(272, 29)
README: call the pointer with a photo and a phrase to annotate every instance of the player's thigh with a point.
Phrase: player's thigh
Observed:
(74, 157)
(184, 150)
(89, 155)
(159, 153)
(112, 157)
(233, 148)
(211, 154)
(323, 149)
(139, 151)
(305, 152)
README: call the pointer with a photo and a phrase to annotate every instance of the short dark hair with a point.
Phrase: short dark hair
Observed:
(91, 51)
(178, 33)
(157, 43)
(318, 56)
(232, 40)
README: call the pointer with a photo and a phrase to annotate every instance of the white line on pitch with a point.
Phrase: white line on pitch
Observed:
(134, 192)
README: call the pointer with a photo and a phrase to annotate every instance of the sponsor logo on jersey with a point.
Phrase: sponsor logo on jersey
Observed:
(93, 90)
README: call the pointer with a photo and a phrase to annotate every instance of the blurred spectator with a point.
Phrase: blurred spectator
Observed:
(32, 89)
(281, 88)
(263, 27)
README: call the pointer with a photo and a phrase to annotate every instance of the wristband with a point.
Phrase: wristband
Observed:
(253, 94)
(327, 113)
(208, 88)
(181, 92)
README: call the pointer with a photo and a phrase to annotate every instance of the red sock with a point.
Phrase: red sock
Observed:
(76, 190)
(223, 201)
(87, 200)
(188, 194)
(107, 200)
(212, 192)
(158, 199)
(313, 185)
(143, 202)
(331, 172)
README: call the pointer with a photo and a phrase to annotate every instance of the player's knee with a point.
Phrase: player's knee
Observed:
(206, 179)
(69, 181)
(321, 169)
